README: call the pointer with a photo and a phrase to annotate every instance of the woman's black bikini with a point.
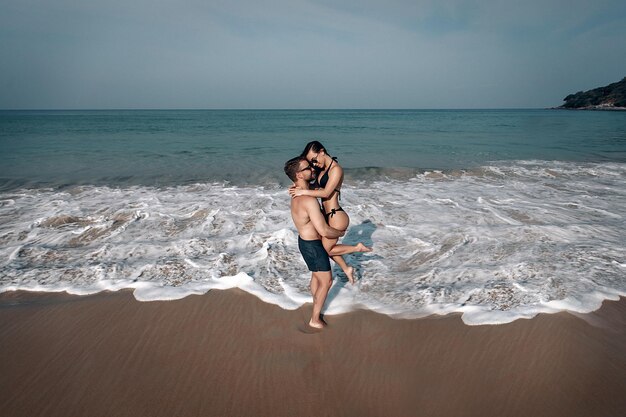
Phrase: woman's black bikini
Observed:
(321, 183)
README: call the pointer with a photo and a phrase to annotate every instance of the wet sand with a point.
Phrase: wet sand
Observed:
(227, 353)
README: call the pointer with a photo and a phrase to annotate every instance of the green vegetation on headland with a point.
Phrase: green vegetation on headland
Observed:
(611, 97)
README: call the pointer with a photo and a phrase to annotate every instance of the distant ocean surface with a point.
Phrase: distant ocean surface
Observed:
(497, 214)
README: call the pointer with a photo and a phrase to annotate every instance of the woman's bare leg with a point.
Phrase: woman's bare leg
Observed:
(340, 221)
(330, 245)
(341, 249)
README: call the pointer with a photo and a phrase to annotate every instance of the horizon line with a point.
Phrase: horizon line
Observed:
(278, 109)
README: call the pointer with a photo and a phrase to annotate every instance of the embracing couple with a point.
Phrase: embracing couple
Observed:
(319, 227)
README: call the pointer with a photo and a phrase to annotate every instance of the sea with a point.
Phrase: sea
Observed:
(494, 214)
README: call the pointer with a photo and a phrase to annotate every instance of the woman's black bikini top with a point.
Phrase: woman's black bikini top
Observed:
(321, 182)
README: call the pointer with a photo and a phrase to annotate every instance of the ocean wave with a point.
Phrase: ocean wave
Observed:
(495, 243)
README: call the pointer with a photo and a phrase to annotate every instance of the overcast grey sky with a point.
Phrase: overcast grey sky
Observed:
(306, 54)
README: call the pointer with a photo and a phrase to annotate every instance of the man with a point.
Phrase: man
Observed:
(311, 225)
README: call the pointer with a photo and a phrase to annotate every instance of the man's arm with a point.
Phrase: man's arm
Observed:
(313, 210)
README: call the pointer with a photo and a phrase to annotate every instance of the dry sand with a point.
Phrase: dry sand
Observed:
(228, 354)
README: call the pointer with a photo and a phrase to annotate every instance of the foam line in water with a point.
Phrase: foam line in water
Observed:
(495, 243)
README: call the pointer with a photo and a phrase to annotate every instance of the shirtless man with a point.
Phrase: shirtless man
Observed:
(309, 220)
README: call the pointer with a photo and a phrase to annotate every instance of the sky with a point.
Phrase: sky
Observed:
(299, 54)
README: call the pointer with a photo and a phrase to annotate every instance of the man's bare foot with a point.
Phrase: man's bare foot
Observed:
(362, 248)
(317, 324)
(350, 274)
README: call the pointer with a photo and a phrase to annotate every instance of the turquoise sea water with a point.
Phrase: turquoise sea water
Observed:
(497, 214)
(159, 148)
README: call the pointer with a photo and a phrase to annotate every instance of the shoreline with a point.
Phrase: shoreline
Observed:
(228, 353)
(478, 316)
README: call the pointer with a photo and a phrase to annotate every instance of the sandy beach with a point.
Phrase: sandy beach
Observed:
(226, 353)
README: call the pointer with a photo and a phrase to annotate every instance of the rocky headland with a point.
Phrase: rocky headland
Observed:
(610, 97)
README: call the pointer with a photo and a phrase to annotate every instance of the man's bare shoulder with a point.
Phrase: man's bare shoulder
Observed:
(304, 204)
(305, 200)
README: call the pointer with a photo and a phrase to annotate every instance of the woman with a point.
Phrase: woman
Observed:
(328, 188)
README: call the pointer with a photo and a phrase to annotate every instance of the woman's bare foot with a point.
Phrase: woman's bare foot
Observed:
(362, 248)
(349, 271)
(317, 324)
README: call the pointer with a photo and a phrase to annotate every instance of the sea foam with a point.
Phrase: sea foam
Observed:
(496, 243)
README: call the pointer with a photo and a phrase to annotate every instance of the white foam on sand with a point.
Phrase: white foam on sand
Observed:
(496, 244)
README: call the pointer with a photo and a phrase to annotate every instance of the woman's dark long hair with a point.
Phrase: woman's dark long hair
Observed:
(315, 146)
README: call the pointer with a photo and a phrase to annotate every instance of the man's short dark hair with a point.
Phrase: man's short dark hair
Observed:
(292, 167)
